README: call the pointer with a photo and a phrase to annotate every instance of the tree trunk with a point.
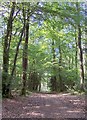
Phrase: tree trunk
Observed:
(80, 49)
(81, 58)
(60, 77)
(76, 54)
(25, 55)
(14, 63)
(5, 87)
(53, 79)
(86, 51)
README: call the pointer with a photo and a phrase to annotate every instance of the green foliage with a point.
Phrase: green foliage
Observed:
(49, 22)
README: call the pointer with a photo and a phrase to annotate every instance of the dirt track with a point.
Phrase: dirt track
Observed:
(45, 106)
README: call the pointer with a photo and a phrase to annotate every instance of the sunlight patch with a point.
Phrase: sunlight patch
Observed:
(47, 105)
(74, 111)
(37, 114)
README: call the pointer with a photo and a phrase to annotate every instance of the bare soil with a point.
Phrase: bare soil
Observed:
(38, 105)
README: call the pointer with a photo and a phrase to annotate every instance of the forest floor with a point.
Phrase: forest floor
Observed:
(38, 105)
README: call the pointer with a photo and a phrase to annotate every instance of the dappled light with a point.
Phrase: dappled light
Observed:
(44, 59)
(40, 105)
(75, 111)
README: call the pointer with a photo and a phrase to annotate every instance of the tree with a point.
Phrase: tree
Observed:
(6, 47)
(80, 48)
(25, 49)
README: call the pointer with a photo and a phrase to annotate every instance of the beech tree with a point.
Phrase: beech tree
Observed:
(6, 47)
(25, 49)
(80, 47)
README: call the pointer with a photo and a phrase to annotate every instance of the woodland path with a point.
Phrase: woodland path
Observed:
(40, 105)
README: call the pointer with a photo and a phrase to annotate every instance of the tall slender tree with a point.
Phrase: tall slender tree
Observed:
(6, 48)
(80, 48)
(25, 49)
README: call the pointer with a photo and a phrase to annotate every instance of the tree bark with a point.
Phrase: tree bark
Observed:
(81, 57)
(14, 63)
(60, 64)
(80, 48)
(25, 55)
(76, 54)
(5, 88)
(53, 79)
